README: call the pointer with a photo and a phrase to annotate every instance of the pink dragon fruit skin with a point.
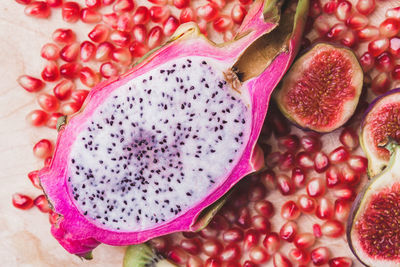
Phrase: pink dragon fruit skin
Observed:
(78, 233)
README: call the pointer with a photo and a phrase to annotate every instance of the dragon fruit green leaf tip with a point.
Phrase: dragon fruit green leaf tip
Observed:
(150, 150)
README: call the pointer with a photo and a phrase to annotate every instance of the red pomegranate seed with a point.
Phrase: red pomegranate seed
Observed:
(394, 46)
(50, 51)
(42, 204)
(123, 6)
(298, 177)
(231, 252)
(159, 14)
(378, 46)
(320, 256)
(48, 102)
(256, 192)
(393, 13)
(251, 238)
(111, 20)
(203, 27)
(285, 185)
(358, 163)
(181, 3)
(304, 160)
(63, 89)
(279, 125)
(170, 25)
(70, 70)
(368, 33)
(317, 230)
(125, 22)
(271, 243)
(122, 56)
(194, 261)
(89, 15)
(178, 255)
(34, 177)
(264, 208)
(23, 2)
(306, 204)
(315, 187)
(30, 84)
(349, 138)
(396, 73)
(310, 143)
(384, 62)
(299, 256)
(120, 38)
(258, 255)
(336, 31)
(304, 240)
(321, 162)
(99, 33)
(338, 155)
(70, 12)
(290, 210)
(93, 3)
(357, 21)
(286, 161)
(212, 262)
(340, 262)
(50, 72)
(21, 201)
(332, 228)
(343, 10)
(333, 176)
(222, 24)
(52, 120)
(344, 193)
(268, 177)
(238, 13)
(261, 224)
(64, 36)
(38, 9)
(315, 9)
(212, 247)
(273, 159)
(281, 261)
(381, 83)
(288, 231)
(108, 69)
(36, 117)
(43, 148)
(349, 176)
(54, 3)
(79, 96)
(289, 142)
(70, 52)
(367, 61)
(155, 37)
(138, 49)
(192, 246)
(141, 15)
(108, 2)
(208, 12)
(87, 51)
(244, 219)
(389, 27)
(234, 234)
(365, 7)
(342, 209)
(330, 7)
(88, 77)
(47, 161)
(104, 51)
(324, 209)
(187, 14)
(159, 2)
(139, 33)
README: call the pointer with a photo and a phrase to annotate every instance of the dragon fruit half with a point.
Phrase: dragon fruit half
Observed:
(150, 150)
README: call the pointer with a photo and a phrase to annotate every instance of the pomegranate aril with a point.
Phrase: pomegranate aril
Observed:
(99, 33)
(304, 160)
(187, 14)
(111, 20)
(159, 14)
(333, 176)
(317, 230)
(36, 117)
(43, 148)
(290, 210)
(258, 255)
(192, 246)
(208, 12)
(141, 15)
(346, 193)
(54, 3)
(343, 10)
(93, 3)
(63, 89)
(48, 102)
(23, 2)
(340, 262)
(64, 36)
(178, 255)
(367, 61)
(123, 6)
(256, 192)
(47, 161)
(261, 224)
(320, 256)
(70, 12)
(393, 13)
(321, 162)
(89, 15)
(368, 33)
(340, 154)
(271, 243)
(349, 138)
(348, 39)
(288, 231)
(281, 261)
(244, 219)
(21, 201)
(251, 238)
(350, 176)
(70, 108)
(108, 2)
(108, 69)
(289, 142)
(212, 262)
(238, 13)
(121, 56)
(284, 185)
(50, 72)
(170, 25)
(159, 2)
(42, 204)
(324, 209)
(88, 77)
(30, 84)
(70, 52)
(396, 73)
(310, 143)
(304, 240)
(286, 161)
(315, 9)
(332, 228)
(125, 22)
(104, 51)
(299, 256)
(315, 187)
(306, 204)
(138, 49)
(222, 24)
(394, 46)
(365, 7)
(264, 208)
(381, 83)
(268, 177)
(298, 177)
(53, 217)
(342, 209)
(120, 38)
(384, 62)
(34, 177)
(181, 3)
(234, 234)
(273, 159)
(231, 252)
(212, 247)
(358, 163)
(38, 9)
(330, 6)
(336, 31)
(194, 261)
(155, 37)
(79, 96)
(357, 21)
(70, 70)
(50, 51)
(139, 33)
(378, 46)
(389, 27)
(52, 120)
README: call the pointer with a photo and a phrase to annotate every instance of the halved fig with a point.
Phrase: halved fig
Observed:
(373, 229)
(381, 123)
(322, 88)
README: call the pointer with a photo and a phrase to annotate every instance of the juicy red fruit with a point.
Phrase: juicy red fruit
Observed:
(21, 201)
(70, 12)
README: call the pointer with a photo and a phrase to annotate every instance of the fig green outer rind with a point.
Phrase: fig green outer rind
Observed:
(142, 255)
(375, 163)
(384, 179)
(294, 74)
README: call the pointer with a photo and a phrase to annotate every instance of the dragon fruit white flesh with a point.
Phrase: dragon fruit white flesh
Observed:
(150, 150)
